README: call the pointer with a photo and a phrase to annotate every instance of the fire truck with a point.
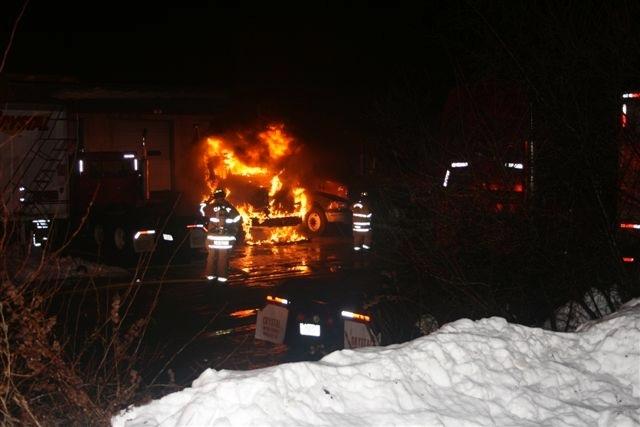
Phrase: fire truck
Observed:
(487, 174)
(628, 201)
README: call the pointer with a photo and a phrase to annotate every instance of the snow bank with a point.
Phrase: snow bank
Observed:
(487, 372)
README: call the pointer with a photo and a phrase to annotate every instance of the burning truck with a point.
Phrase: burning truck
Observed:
(265, 179)
(103, 184)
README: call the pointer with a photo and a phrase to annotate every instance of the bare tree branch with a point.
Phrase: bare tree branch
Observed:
(12, 35)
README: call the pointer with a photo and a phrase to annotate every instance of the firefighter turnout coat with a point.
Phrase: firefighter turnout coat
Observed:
(361, 220)
(222, 223)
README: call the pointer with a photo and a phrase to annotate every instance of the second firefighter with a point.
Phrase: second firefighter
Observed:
(361, 223)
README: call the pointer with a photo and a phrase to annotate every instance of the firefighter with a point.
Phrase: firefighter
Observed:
(361, 223)
(222, 224)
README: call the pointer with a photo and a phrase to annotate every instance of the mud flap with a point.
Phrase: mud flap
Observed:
(144, 241)
(358, 334)
(271, 323)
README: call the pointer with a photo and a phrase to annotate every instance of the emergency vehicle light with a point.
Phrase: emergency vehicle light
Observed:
(21, 189)
(167, 237)
(277, 299)
(628, 259)
(356, 316)
(80, 166)
(129, 156)
(636, 226)
(41, 223)
(631, 95)
(446, 178)
(141, 232)
(459, 164)
(195, 226)
(514, 165)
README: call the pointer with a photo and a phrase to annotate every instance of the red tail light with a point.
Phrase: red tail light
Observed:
(636, 226)
(628, 259)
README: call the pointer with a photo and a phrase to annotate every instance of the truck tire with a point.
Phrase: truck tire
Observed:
(315, 221)
(121, 239)
(118, 246)
(95, 242)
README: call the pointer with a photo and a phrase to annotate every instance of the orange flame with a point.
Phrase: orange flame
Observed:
(248, 169)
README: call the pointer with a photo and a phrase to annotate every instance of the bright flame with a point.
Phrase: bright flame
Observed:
(276, 185)
(277, 140)
(247, 168)
(226, 163)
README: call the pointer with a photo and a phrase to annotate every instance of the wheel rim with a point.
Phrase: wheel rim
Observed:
(314, 222)
(119, 237)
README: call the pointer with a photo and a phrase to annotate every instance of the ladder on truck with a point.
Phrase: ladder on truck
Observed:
(37, 168)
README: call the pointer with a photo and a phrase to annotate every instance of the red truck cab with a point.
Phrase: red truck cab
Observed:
(106, 180)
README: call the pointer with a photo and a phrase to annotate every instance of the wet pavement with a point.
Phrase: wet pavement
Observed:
(262, 265)
(196, 324)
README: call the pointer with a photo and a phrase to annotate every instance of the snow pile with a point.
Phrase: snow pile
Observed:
(482, 373)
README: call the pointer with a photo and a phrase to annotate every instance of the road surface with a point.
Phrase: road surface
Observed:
(195, 324)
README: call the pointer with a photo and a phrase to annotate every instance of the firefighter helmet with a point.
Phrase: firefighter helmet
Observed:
(220, 193)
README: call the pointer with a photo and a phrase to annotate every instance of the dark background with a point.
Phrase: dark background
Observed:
(321, 70)
(361, 79)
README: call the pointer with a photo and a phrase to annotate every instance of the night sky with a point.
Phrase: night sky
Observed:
(326, 66)
(266, 51)
(326, 71)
